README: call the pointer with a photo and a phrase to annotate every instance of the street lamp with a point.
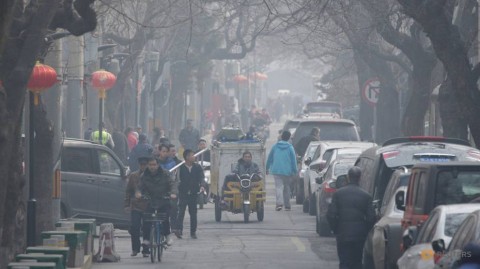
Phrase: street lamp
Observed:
(42, 78)
(102, 81)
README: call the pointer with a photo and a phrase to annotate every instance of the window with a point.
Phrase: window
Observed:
(367, 174)
(108, 165)
(428, 229)
(455, 187)
(77, 160)
(452, 222)
(461, 233)
(340, 131)
(420, 193)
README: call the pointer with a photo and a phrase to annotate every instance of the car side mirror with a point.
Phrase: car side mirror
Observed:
(308, 161)
(409, 236)
(318, 180)
(438, 246)
(342, 180)
(400, 200)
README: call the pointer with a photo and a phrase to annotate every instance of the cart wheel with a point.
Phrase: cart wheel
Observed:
(246, 212)
(218, 210)
(260, 211)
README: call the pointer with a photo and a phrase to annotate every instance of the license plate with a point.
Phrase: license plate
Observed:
(426, 159)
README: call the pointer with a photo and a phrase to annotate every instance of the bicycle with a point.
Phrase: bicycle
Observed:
(158, 241)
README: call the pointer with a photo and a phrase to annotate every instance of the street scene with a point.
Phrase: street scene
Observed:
(239, 134)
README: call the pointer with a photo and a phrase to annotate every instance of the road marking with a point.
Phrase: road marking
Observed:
(300, 246)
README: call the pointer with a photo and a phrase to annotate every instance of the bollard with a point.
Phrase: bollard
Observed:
(106, 246)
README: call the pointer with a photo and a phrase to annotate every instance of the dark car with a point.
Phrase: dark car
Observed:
(93, 183)
(378, 163)
(327, 187)
(330, 129)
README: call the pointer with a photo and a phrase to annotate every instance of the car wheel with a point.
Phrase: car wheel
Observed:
(299, 196)
(312, 207)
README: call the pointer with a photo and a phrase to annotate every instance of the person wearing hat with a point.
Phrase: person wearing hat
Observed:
(141, 149)
(189, 136)
(136, 207)
(351, 216)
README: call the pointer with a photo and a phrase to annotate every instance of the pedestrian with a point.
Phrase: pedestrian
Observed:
(189, 136)
(157, 184)
(190, 183)
(172, 159)
(205, 156)
(131, 138)
(88, 134)
(166, 163)
(351, 216)
(106, 137)
(121, 145)
(141, 149)
(172, 154)
(136, 207)
(470, 258)
(282, 164)
(302, 145)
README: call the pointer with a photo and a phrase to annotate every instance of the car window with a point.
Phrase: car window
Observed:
(390, 190)
(323, 108)
(327, 156)
(460, 238)
(429, 228)
(341, 168)
(452, 222)
(420, 193)
(318, 150)
(463, 188)
(367, 166)
(77, 160)
(328, 131)
(108, 165)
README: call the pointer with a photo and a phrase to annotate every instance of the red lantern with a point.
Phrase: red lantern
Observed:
(42, 78)
(240, 79)
(102, 81)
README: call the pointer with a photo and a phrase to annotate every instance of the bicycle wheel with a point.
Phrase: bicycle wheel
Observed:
(153, 243)
(161, 246)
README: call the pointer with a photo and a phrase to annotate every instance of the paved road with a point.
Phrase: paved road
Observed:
(282, 240)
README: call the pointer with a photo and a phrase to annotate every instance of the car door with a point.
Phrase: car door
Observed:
(79, 182)
(112, 184)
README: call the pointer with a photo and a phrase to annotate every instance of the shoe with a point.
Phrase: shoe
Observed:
(134, 253)
(169, 240)
(178, 234)
(193, 236)
(278, 208)
(146, 255)
(146, 243)
(287, 209)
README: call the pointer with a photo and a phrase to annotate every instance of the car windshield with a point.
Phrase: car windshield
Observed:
(291, 124)
(323, 108)
(454, 187)
(452, 222)
(340, 131)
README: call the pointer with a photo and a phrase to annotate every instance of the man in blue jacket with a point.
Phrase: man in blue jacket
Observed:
(282, 164)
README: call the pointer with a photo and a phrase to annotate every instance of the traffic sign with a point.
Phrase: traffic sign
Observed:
(371, 90)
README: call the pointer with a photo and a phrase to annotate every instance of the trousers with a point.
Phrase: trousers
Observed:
(189, 200)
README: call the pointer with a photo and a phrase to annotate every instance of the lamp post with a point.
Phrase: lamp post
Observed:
(42, 78)
(102, 81)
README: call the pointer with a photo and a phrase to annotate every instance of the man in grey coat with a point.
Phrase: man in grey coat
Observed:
(189, 137)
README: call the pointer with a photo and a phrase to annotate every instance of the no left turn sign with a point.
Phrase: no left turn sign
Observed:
(371, 90)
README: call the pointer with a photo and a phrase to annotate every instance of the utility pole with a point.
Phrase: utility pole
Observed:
(75, 69)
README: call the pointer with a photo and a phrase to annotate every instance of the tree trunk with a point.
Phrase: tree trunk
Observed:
(413, 122)
(453, 126)
(366, 110)
(179, 72)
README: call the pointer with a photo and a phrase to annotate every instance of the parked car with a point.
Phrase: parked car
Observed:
(291, 125)
(331, 129)
(448, 256)
(442, 223)
(327, 151)
(324, 107)
(382, 246)
(93, 183)
(378, 163)
(434, 184)
(304, 162)
(327, 186)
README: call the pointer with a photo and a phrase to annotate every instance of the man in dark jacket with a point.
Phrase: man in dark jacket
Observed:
(205, 156)
(190, 182)
(189, 136)
(157, 184)
(141, 149)
(121, 145)
(351, 216)
(302, 145)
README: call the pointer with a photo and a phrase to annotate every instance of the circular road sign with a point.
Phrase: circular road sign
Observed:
(371, 90)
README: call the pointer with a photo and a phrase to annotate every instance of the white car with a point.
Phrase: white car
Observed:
(441, 224)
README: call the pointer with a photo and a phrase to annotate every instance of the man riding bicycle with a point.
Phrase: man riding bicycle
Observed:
(156, 184)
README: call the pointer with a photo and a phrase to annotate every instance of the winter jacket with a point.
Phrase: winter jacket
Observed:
(167, 164)
(189, 138)
(282, 160)
(242, 168)
(132, 186)
(121, 146)
(140, 150)
(190, 181)
(351, 214)
(157, 185)
(302, 145)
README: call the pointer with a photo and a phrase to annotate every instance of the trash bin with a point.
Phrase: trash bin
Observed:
(75, 240)
(40, 257)
(64, 251)
(36, 265)
(86, 225)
